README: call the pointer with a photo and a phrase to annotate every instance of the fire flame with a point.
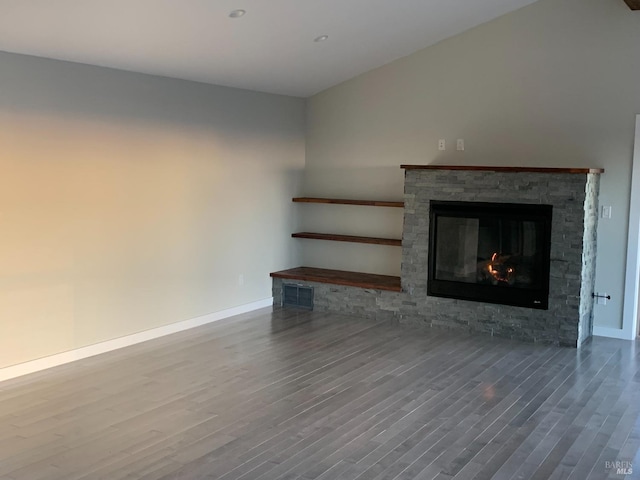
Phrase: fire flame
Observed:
(500, 274)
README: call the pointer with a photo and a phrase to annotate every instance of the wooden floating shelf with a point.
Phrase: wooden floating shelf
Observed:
(341, 201)
(340, 277)
(503, 169)
(349, 238)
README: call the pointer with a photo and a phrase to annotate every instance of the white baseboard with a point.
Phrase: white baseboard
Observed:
(32, 366)
(611, 333)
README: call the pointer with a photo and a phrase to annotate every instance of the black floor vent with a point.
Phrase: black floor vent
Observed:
(297, 296)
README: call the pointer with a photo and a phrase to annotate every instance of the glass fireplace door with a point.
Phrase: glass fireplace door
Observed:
(493, 252)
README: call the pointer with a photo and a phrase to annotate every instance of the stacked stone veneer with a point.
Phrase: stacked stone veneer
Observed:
(569, 319)
(574, 197)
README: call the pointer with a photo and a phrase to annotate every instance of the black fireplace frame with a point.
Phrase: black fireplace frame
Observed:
(537, 298)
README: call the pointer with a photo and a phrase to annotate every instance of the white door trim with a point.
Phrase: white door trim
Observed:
(631, 286)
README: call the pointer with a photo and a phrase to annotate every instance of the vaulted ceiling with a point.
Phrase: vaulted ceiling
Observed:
(270, 48)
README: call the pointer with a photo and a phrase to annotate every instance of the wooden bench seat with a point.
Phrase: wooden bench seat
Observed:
(340, 277)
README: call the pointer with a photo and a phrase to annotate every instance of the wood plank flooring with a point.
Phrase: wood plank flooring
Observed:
(295, 395)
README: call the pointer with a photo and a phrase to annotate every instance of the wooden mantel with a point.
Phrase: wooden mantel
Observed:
(481, 168)
(633, 4)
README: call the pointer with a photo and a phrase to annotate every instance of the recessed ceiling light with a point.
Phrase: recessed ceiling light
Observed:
(237, 13)
(321, 38)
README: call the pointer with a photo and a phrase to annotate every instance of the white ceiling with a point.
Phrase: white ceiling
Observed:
(270, 49)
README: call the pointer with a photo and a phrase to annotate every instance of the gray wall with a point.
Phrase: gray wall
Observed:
(129, 201)
(554, 84)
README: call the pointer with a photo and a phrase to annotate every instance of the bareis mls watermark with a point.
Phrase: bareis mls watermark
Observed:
(621, 468)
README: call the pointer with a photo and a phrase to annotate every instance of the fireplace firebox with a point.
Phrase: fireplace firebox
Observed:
(490, 252)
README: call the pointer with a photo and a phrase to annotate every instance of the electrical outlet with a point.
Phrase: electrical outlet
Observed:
(460, 144)
(442, 144)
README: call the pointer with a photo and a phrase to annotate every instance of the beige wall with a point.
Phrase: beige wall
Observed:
(128, 201)
(553, 84)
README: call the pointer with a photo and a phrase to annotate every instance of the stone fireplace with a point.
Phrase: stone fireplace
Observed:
(555, 260)
(573, 196)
